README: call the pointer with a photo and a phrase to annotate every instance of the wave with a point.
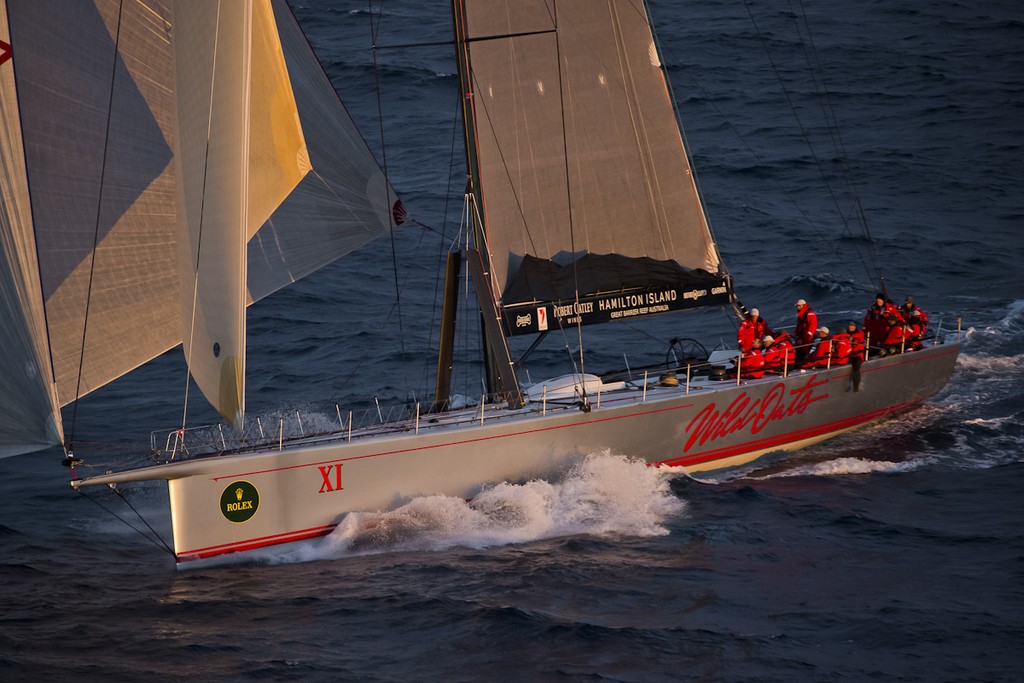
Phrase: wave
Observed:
(603, 494)
(848, 465)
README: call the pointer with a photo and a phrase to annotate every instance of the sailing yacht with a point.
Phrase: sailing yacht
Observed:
(169, 162)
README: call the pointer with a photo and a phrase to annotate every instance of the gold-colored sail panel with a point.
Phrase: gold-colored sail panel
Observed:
(278, 158)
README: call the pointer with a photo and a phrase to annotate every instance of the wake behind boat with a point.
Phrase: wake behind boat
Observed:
(582, 209)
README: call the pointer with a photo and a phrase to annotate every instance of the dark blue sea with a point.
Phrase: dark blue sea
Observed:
(895, 553)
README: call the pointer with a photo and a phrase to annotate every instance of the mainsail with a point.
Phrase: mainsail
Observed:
(98, 274)
(585, 184)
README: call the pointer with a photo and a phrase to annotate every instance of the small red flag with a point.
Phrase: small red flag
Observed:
(399, 212)
(5, 51)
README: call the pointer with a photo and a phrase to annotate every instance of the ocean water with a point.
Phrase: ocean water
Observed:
(895, 553)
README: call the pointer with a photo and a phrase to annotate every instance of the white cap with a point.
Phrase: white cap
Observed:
(768, 339)
(823, 329)
(801, 302)
(754, 312)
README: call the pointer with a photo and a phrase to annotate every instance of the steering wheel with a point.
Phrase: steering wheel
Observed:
(683, 351)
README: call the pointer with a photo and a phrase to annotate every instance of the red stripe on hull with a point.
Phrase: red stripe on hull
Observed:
(255, 543)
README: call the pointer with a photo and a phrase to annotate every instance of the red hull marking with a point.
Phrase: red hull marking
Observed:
(457, 443)
(279, 469)
(788, 437)
(254, 543)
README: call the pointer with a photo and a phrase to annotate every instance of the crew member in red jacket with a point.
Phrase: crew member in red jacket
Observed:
(752, 362)
(907, 311)
(914, 331)
(856, 343)
(875, 325)
(856, 338)
(806, 324)
(893, 337)
(821, 355)
(773, 355)
(841, 348)
(753, 327)
(785, 345)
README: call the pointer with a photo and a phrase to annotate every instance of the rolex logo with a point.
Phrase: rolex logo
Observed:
(239, 501)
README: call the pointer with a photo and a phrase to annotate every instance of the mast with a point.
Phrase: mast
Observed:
(500, 370)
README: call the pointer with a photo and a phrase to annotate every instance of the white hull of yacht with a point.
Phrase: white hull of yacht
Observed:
(303, 491)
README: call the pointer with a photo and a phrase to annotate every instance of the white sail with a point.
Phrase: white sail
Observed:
(97, 117)
(100, 86)
(344, 203)
(240, 151)
(29, 413)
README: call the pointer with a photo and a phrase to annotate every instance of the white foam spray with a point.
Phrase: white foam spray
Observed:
(842, 466)
(603, 494)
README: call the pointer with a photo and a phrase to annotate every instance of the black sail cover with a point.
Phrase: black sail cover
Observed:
(590, 209)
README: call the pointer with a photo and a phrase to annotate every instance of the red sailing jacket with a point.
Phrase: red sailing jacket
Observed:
(750, 330)
(841, 348)
(908, 315)
(786, 351)
(819, 357)
(893, 335)
(913, 332)
(875, 324)
(806, 325)
(752, 364)
(856, 344)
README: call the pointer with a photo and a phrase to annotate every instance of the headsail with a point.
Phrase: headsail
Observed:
(96, 88)
(97, 117)
(29, 413)
(582, 169)
(344, 203)
(240, 151)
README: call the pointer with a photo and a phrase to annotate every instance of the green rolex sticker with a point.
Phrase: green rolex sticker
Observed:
(239, 501)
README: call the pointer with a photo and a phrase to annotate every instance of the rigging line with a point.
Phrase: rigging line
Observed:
(377, 332)
(757, 158)
(202, 215)
(796, 116)
(143, 519)
(438, 280)
(162, 543)
(387, 183)
(792, 107)
(568, 200)
(96, 229)
(838, 140)
(816, 72)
